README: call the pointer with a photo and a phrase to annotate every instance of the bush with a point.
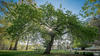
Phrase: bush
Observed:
(85, 53)
(76, 52)
(88, 54)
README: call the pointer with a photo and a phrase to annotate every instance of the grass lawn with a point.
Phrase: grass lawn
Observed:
(19, 53)
(34, 53)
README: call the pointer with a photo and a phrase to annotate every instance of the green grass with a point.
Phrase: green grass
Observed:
(60, 51)
(36, 53)
(31, 53)
(19, 53)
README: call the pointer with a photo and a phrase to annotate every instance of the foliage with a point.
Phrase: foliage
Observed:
(77, 43)
(85, 53)
(81, 33)
(91, 8)
(89, 34)
(4, 43)
(30, 19)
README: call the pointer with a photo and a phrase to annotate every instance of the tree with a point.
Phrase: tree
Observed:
(51, 22)
(77, 43)
(3, 26)
(86, 38)
(20, 22)
(96, 23)
(3, 34)
(91, 8)
(59, 23)
(47, 21)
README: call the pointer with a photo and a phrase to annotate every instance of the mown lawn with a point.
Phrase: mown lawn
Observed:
(34, 53)
(19, 53)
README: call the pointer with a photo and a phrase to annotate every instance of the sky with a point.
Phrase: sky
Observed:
(72, 5)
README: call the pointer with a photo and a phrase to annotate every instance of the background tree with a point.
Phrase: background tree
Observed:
(19, 22)
(3, 34)
(91, 8)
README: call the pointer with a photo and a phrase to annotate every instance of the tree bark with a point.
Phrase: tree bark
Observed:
(16, 43)
(49, 46)
(27, 44)
(83, 48)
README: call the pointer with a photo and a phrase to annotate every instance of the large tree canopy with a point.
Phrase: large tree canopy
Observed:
(51, 23)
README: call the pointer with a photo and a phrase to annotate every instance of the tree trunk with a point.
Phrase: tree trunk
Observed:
(11, 45)
(27, 44)
(83, 48)
(16, 43)
(49, 46)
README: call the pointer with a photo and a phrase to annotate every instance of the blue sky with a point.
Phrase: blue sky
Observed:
(72, 5)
